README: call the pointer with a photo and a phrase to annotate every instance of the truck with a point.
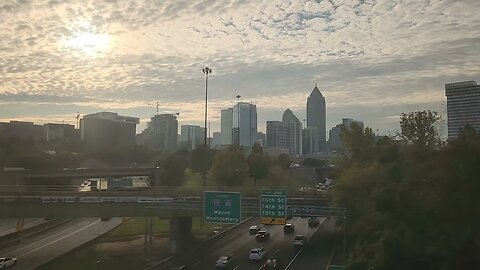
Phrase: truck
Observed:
(121, 183)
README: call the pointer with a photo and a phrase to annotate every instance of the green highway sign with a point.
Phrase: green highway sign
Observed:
(221, 207)
(273, 207)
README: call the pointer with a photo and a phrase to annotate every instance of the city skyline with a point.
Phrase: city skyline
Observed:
(372, 61)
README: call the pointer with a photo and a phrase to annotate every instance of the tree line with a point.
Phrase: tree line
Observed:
(412, 199)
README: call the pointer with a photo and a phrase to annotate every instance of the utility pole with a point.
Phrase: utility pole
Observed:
(238, 120)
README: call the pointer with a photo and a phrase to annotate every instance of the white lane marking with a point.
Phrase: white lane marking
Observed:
(59, 239)
(261, 267)
(236, 267)
(293, 258)
(277, 251)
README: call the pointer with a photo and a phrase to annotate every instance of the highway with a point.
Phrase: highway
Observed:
(39, 249)
(8, 225)
(314, 256)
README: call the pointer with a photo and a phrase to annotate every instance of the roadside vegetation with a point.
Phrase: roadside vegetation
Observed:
(412, 199)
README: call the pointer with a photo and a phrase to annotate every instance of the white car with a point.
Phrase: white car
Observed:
(254, 229)
(299, 240)
(7, 262)
(258, 253)
(223, 262)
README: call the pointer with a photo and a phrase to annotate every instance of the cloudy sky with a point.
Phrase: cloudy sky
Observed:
(372, 60)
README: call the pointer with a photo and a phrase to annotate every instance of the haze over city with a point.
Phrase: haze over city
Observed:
(371, 60)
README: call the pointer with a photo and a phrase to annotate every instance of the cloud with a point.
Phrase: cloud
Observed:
(361, 53)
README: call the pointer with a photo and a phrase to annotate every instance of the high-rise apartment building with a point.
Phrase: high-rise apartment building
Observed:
(107, 130)
(316, 120)
(463, 106)
(191, 136)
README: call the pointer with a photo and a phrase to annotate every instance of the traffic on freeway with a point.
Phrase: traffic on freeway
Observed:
(245, 250)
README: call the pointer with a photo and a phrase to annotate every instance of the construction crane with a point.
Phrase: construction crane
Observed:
(78, 119)
(157, 105)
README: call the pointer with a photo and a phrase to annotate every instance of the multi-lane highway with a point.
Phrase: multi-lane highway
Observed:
(238, 245)
(9, 225)
(41, 248)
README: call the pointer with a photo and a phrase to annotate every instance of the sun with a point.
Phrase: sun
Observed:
(90, 44)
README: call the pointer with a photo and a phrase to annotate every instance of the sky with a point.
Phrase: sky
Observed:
(372, 60)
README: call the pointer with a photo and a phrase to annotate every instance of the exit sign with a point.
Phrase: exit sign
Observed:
(273, 207)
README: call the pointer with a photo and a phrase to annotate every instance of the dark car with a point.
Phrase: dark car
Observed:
(271, 263)
(313, 222)
(262, 236)
(288, 228)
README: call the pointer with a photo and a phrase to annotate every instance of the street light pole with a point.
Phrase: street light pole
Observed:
(206, 71)
(238, 120)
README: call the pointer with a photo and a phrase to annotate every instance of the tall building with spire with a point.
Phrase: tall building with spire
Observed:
(316, 121)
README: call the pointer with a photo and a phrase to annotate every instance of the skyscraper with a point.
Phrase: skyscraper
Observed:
(335, 135)
(226, 126)
(277, 134)
(248, 123)
(463, 106)
(316, 119)
(294, 132)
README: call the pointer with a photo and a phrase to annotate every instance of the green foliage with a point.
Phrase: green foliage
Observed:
(412, 204)
(257, 166)
(257, 148)
(201, 159)
(358, 143)
(230, 167)
(173, 169)
(419, 128)
(284, 161)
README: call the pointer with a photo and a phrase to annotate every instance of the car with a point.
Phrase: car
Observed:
(262, 236)
(257, 253)
(313, 222)
(299, 240)
(7, 262)
(271, 263)
(288, 228)
(223, 262)
(254, 229)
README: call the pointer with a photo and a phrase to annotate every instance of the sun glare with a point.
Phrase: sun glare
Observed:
(89, 43)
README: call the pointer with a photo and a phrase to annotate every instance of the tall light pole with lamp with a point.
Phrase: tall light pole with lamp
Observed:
(206, 71)
(238, 120)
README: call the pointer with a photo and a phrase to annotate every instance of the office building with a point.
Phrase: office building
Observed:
(277, 134)
(294, 132)
(316, 121)
(22, 131)
(161, 133)
(239, 125)
(226, 126)
(216, 139)
(62, 132)
(191, 136)
(107, 130)
(463, 106)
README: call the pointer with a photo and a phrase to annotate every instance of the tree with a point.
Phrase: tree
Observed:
(284, 161)
(201, 160)
(257, 148)
(359, 144)
(257, 166)
(229, 167)
(419, 128)
(173, 169)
